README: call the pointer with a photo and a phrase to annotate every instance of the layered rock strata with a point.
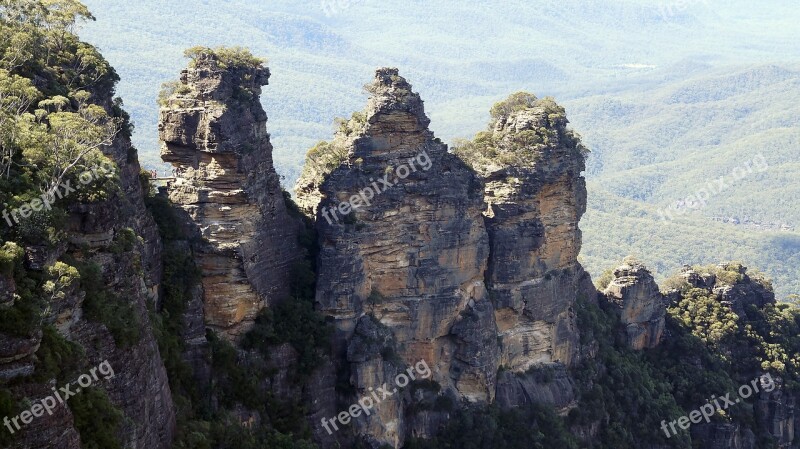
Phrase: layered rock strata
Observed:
(413, 256)
(639, 304)
(417, 257)
(213, 131)
(130, 273)
(531, 165)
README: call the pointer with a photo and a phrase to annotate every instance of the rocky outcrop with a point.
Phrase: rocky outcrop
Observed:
(535, 194)
(213, 130)
(413, 254)
(747, 298)
(130, 273)
(639, 304)
(467, 276)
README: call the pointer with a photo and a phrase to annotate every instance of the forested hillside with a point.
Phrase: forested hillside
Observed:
(668, 96)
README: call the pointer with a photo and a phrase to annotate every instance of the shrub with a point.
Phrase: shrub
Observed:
(96, 419)
(227, 57)
(706, 316)
(515, 102)
(528, 427)
(292, 321)
(170, 89)
(10, 255)
(57, 358)
(100, 305)
(124, 241)
(9, 406)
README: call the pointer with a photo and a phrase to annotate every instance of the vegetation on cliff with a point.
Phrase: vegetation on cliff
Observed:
(207, 411)
(709, 350)
(56, 117)
(226, 57)
(501, 146)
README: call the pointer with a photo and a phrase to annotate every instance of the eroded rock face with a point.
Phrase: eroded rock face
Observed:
(413, 257)
(640, 305)
(535, 196)
(140, 388)
(470, 277)
(213, 130)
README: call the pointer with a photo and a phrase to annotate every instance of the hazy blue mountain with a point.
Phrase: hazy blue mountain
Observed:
(669, 96)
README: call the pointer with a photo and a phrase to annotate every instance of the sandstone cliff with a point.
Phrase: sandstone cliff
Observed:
(467, 276)
(535, 194)
(213, 131)
(640, 305)
(412, 257)
(119, 237)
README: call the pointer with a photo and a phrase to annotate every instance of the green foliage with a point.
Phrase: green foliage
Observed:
(10, 256)
(322, 159)
(235, 383)
(240, 380)
(52, 128)
(491, 428)
(169, 226)
(225, 433)
(706, 316)
(352, 127)
(605, 279)
(62, 144)
(57, 358)
(180, 277)
(96, 419)
(375, 298)
(21, 319)
(227, 57)
(772, 336)
(516, 102)
(292, 321)
(9, 406)
(201, 425)
(712, 350)
(125, 240)
(171, 89)
(100, 305)
(621, 388)
(499, 146)
(24, 316)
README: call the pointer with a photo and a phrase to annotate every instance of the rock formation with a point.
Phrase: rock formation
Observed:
(640, 305)
(532, 164)
(213, 130)
(418, 256)
(412, 256)
(131, 273)
(749, 297)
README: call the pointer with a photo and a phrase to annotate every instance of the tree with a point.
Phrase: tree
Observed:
(58, 142)
(515, 102)
(16, 96)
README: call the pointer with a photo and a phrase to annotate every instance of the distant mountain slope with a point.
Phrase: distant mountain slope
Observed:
(732, 136)
(320, 51)
(668, 95)
(615, 227)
